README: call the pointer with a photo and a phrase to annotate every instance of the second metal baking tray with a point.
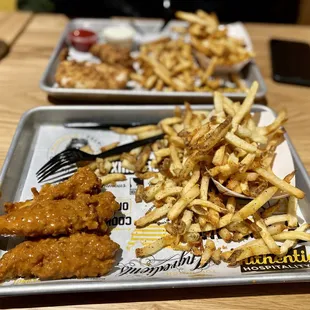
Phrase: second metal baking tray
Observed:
(250, 73)
(41, 134)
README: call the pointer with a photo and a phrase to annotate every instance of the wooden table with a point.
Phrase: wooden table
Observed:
(12, 25)
(19, 77)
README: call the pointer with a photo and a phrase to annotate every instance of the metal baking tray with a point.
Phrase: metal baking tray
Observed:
(31, 147)
(250, 73)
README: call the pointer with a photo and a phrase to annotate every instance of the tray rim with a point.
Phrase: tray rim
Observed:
(97, 93)
(94, 285)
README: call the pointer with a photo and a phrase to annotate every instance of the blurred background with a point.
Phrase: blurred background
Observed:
(272, 11)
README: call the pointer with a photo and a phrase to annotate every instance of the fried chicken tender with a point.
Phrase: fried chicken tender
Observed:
(112, 55)
(86, 75)
(61, 217)
(84, 181)
(80, 255)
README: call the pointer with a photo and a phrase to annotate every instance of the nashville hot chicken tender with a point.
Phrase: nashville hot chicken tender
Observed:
(79, 255)
(60, 217)
(76, 211)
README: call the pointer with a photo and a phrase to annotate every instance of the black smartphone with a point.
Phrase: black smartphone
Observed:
(290, 62)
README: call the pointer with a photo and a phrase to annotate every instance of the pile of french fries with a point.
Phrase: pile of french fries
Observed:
(212, 40)
(177, 65)
(167, 65)
(225, 144)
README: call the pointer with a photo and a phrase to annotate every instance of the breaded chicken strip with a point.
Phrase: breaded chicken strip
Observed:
(84, 181)
(112, 55)
(80, 255)
(59, 217)
(86, 75)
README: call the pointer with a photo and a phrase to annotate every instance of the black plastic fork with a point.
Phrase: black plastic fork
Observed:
(72, 156)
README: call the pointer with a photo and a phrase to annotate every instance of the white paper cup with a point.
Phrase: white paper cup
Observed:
(119, 35)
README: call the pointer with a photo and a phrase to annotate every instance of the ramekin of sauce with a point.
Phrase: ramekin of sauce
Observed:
(82, 39)
(119, 35)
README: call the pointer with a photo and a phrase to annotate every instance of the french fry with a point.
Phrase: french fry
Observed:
(292, 235)
(134, 130)
(150, 81)
(254, 204)
(218, 102)
(87, 149)
(162, 152)
(142, 158)
(177, 141)
(171, 191)
(239, 82)
(149, 133)
(213, 217)
(291, 210)
(246, 105)
(182, 203)
(228, 106)
(275, 229)
(216, 135)
(246, 162)
(276, 219)
(168, 130)
(153, 215)
(252, 248)
(192, 181)
(291, 243)
(238, 226)
(281, 118)
(219, 156)
(127, 165)
(155, 246)
(146, 175)
(216, 256)
(190, 18)
(109, 146)
(105, 167)
(268, 239)
(159, 84)
(200, 133)
(139, 193)
(196, 228)
(202, 220)
(170, 121)
(111, 178)
(207, 253)
(204, 187)
(187, 219)
(231, 205)
(225, 220)
(201, 211)
(286, 187)
(207, 204)
(151, 191)
(243, 132)
(175, 159)
(269, 211)
(225, 234)
(240, 143)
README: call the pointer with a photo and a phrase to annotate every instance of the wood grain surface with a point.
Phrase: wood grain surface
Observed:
(12, 25)
(19, 78)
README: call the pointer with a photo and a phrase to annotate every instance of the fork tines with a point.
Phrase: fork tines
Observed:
(59, 161)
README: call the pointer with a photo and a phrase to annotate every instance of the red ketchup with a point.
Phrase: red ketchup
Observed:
(82, 39)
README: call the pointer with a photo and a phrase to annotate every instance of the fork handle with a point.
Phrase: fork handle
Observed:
(129, 146)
